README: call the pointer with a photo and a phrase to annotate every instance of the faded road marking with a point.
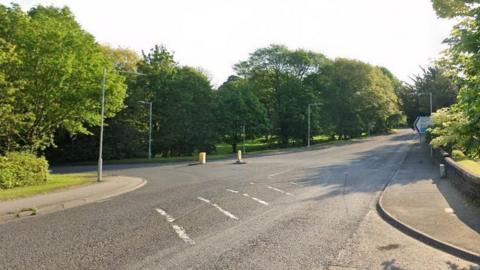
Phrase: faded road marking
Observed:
(232, 191)
(225, 212)
(296, 184)
(252, 183)
(179, 230)
(255, 199)
(182, 234)
(279, 190)
(167, 216)
(275, 174)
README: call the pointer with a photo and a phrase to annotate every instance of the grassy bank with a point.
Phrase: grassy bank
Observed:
(54, 182)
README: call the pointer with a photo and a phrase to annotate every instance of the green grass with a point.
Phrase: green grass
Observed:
(223, 150)
(470, 165)
(54, 182)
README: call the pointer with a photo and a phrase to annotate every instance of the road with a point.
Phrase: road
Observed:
(296, 210)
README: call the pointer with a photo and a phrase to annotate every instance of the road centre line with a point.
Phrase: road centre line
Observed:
(167, 216)
(279, 190)
(182, 234)
(225, 212)
(179, 230)
(255, 199)
(296, 184)
(275, 174)
(232, 191)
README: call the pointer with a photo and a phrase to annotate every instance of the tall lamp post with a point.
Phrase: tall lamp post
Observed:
(149, 129)
(100, 161)
(309, 112)
(100, 151)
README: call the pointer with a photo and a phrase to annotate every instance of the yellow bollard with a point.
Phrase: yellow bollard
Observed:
(202, 158)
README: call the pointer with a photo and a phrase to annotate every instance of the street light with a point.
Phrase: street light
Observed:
(309, 109)
(100, 161)
(149, 129)
(243, 137)
(100, 150)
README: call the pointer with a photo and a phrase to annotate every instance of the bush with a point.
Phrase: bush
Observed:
(22, 169)
(458, 155)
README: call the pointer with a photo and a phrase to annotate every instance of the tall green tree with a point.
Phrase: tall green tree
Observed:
(358, 98)
(279, 75)
(415, 96)
(237, 106)
(125, 134)
(60, 66)
(182, 104)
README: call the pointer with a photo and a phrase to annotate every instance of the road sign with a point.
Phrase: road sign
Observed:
(422, 123)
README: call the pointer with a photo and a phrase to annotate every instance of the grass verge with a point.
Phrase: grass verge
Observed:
(470, 165)
(54, 182)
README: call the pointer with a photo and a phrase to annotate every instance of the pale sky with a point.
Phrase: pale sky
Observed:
(215, 34)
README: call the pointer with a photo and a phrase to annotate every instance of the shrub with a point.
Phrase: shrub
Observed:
(22, 169)
(458, 155)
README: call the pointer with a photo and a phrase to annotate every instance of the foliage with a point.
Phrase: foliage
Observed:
(278, 75)
(415, 98)
(462, 60)
(237, 106)
(357, 98)
(60, 67)
(451, 131)
(183, 119)
(22, 169)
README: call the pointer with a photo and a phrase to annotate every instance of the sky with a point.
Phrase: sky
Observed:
(215, 34)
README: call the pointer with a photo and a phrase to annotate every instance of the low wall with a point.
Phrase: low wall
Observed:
(464, 181)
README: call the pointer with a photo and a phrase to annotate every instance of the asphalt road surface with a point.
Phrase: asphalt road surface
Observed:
(296, 210)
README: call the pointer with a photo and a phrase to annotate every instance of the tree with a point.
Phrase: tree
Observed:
(182, 104)
(278, 75)
(237, 106)
(462, 61)
(60, 66)
(415, 99)
(125, 134)
(357, 98)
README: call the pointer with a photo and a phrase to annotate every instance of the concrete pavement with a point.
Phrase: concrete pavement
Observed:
(423, 202)
(300, 210)
(71, 197)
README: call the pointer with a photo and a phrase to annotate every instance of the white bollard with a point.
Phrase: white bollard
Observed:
(443, 172)
(239, 156)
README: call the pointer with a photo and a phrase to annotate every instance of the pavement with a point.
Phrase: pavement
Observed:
(299, 210)
(110, 187)
(432, 207)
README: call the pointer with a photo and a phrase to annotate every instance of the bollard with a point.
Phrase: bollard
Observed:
(202, 158)
(239, 158)
(443, 172)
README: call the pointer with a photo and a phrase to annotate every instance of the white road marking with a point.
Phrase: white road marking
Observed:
(252, 183)
(279, 190)
(179, 230)
(231, 190)
(255, 199)
(296, 184)
(167, 216)
(275, 174)
(182, 234)
(225, 212)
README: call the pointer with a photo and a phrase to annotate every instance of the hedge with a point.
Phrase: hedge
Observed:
(22, 169)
